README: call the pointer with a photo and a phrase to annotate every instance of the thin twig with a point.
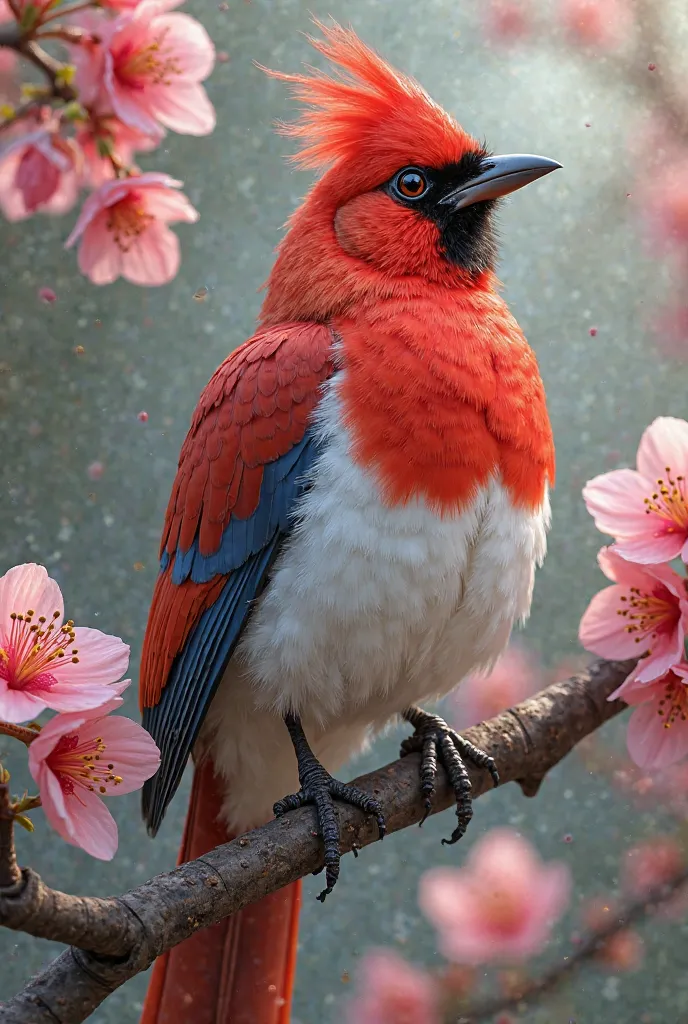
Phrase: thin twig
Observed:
(145, 922)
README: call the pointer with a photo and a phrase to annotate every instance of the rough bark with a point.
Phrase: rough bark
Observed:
(125, 934)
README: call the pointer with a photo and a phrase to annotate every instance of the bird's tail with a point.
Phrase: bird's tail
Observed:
(239, 971)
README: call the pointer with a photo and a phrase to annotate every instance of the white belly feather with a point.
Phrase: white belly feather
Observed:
(369, 609)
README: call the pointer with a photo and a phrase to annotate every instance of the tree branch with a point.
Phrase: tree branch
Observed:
(126, 934)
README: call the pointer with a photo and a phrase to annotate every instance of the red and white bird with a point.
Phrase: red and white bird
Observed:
(360, 505)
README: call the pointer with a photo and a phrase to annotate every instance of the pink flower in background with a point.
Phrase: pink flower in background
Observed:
(666, 200)
(123, 230)
(601, 23)
(120, 5)
(78, 758)
(39, 172)
(657, 733)
(123, 141)
(392, 991)
(8, 58)
(516, 676)
(646, 510)
(500, 906)
(148, 69)
(651, 864)
(45, 662)
(643, 615)
(507, 20)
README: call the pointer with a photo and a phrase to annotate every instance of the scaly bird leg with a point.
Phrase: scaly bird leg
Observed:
(320, 789)
(435, 741)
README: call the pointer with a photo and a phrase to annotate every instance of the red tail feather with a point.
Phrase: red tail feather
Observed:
(240, 971)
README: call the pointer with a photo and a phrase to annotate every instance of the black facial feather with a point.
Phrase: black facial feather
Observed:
(467, 236)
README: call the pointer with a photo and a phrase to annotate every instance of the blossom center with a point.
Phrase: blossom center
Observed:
(152, 64)
(33, 651)
(502, 911)
(669, 502)
(673, 706)
(648, 614)
(127, 220)
(80, 763)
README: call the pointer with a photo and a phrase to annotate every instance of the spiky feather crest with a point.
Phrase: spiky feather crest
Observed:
(367, 112)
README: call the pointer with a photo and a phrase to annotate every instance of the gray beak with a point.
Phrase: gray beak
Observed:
(501, 175)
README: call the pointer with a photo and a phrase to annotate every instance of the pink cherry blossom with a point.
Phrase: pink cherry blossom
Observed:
(650, 864)
(516, 676)
(600, 23)
(392, 991)
(39, 172)
(500, 906)
(44, 661)
(646, 510)
(76, 759)
(643, 615)
(657, 734)
(8, 58)
(665, 196)
(148, 68)
(507, 20)
(124, 141)
(123, 230)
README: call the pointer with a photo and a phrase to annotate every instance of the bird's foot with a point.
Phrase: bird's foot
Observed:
(319, 788)
(437, 742)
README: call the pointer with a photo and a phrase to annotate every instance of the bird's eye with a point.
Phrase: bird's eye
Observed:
(411, 183)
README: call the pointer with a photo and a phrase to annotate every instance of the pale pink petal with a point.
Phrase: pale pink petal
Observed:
(52, 797)
(657, 547)
(27, 587)
(650, 744)
(170, 206)
(154, 257)
(11, 199)
(393, 991)
(183, 107)
(64, 197)
(131, 749)
(187, 42)
(667, 649)
(90, 825)
(102, 658)
(601, 629)
(617, 502)
(18, 705)
(99, 257)
(664, 444)
(68, 696)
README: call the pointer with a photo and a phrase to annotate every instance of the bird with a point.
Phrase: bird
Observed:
(359, 507)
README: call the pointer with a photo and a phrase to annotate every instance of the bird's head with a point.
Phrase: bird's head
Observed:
(404, 193)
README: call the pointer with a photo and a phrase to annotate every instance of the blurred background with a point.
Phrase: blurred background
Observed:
(593, 282)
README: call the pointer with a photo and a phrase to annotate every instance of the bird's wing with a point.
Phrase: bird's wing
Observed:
(241, 470)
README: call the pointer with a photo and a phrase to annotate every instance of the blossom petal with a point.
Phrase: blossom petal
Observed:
(664, 443)
(19, 705)
(601, 629)
(650, 744)
(99, 258)
(657, 547)
(27, 587)
(187, 42)
(102, 658)
(170, 206)
(154, 258)
(184, 108)
(90, 825)
(131, 749)
(616, 502)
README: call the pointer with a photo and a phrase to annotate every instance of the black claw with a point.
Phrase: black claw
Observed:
(437, 742)
(319, 788)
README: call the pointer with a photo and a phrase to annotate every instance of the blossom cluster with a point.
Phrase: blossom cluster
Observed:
(83, 753)
(644, 613)
(136, 68)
